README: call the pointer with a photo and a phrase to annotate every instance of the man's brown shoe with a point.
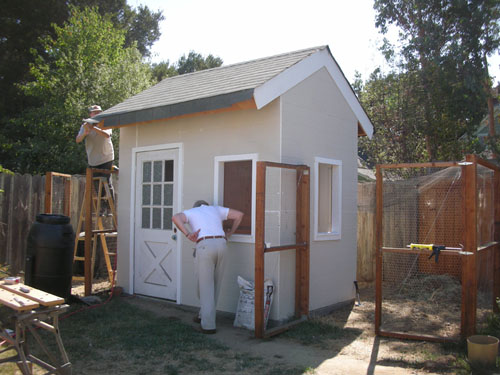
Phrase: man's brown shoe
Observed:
(208, 331)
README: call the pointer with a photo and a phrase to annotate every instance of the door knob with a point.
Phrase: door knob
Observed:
(174, 237)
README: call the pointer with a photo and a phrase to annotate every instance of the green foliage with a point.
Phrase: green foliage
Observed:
(195, 61)
(443, 51)
(84, 63)
(163, 70)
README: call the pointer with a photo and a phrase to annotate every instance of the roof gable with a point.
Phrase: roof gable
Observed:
(262, 80)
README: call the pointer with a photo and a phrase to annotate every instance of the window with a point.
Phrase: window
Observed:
(327, 199)
(235, 186)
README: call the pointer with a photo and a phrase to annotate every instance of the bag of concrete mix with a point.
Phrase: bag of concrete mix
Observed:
(245, 312)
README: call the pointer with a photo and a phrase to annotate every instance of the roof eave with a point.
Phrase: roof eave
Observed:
(202, 105)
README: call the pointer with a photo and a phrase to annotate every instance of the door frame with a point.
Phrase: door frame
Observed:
(179, 184)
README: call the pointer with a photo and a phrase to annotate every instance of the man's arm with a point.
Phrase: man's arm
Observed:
(180, 220)
(236, 216)
(84, 131)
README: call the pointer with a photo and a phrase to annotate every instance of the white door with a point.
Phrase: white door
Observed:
(155, 253)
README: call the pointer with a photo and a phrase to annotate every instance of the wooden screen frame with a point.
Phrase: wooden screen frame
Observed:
(48, 192)
(468, 256)
(301, 246)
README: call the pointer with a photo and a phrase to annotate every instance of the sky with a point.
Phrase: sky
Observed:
(238, 31)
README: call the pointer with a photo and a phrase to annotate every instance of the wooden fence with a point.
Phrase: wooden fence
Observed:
(23, 198)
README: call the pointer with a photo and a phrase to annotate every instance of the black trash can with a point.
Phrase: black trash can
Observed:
(49, 255)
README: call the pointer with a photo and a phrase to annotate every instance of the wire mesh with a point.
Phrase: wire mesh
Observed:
(421, 290)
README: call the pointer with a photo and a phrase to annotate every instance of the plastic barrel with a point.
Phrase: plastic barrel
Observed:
(49, 255)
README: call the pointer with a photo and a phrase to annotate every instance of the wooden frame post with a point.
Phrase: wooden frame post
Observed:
(496, 272)
(469, 280)
(378, 249)
(48, 192)
(88, 232)
(260, 205)
(301, 246)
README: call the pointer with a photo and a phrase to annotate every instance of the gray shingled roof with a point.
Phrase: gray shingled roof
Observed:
(201, 91)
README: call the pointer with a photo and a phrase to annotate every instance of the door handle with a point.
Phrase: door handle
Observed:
(174, 237)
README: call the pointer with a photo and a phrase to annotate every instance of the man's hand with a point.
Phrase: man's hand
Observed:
(236, 216)
(193, 236)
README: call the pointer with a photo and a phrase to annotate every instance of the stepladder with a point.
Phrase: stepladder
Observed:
(102, 225)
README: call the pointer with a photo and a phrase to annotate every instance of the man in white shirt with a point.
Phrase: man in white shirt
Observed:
(207, 232)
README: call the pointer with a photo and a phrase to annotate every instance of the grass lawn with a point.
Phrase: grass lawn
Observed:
(120, 338)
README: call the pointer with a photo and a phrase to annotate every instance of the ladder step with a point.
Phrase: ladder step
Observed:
(79, 278)
(79, 258)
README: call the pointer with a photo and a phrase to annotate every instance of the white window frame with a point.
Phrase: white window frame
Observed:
(219, 189)
(336, 208)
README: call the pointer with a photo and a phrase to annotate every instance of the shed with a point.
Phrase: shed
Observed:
(200, 135)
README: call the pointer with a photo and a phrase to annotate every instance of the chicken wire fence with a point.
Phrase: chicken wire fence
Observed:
(421, 288)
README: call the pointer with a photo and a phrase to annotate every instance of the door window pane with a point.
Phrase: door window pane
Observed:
(157, 171)
(168, 194)
(146, 171)
(167, 218)
(156, 218)
(146, 221)
(146, 195)
(169, 170)
(157, 195)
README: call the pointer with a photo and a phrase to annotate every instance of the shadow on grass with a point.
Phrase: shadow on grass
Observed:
(119, 337)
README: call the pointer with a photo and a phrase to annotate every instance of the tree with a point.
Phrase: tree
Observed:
(23, 22)
(86, 62)
(444, 45)
(195, 61)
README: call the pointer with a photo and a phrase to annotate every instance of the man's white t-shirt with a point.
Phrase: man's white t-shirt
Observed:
(207, 218)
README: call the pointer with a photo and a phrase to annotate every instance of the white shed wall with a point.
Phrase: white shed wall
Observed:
(317, 122)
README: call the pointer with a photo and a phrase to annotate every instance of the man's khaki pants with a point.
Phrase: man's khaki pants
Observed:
(209, 268)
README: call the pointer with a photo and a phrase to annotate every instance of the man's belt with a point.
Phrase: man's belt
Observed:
(208, 238)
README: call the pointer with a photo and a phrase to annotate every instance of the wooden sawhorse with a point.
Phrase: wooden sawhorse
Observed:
(33, 309)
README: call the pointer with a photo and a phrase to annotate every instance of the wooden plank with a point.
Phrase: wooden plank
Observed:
(67, 197)
(16, 302)
(5, 216)
(378, 250)
(260, 206)
(88, 233)
(443, 164)
(20, 229)
(406, 336)
(469, 280)
(303, 212)
(284, 247)
(488, 164)
(48, 193)
(297, 167)
(36, 295)
(496, 236)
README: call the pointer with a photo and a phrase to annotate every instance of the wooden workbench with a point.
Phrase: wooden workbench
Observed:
(33, 309)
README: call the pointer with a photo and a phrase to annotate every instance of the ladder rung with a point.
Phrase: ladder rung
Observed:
(79, 258)
(79, 278)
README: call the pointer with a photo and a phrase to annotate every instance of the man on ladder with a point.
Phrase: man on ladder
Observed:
(100, 152)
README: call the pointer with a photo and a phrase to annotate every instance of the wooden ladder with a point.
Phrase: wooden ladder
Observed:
(99, 230)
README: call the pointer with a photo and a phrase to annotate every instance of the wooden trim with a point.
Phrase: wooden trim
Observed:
(496, 236)
(302, 233)
(48, 193)
(246, 104)
(277, 330)
(302, 256)
(420, 251)
(407, 336)
(284, 247)
(469, 280)
(378, 250)
(271, 164)
(487, 164)
(88, 232)
(259, 249)
(443, 164)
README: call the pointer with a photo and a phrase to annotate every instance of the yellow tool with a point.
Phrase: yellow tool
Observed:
(435, 248)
